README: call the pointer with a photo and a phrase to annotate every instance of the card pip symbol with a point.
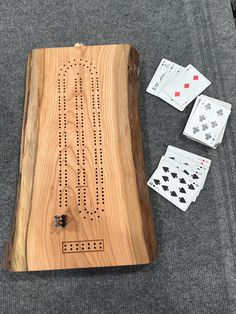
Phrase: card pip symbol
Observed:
(213, 124)
(157, 182)
(208, 136)
(186, 85)
(191, 187)
(208, 106)
(182, 200)
(195, 130)
(165, 187)
(202, 118)
(166, 169)
(195, 77)
(165, 178)
(177, 94)
(204, 127)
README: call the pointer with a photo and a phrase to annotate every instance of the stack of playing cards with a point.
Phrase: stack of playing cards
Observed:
(207, 121)
(180, 176)
(176, 85)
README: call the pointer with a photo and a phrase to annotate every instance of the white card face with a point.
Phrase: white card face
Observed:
(153, 86)
(173, 184)
(176, 72)
(186, 157)
(199, 164)
(220, 102)
(195, 174)
(196, 104)
(186, 87)
(170, 73)
(195, 140)
(180, 176)
(207, 122)
(161, 76)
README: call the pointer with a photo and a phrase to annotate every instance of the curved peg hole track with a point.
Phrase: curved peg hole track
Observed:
(80, 155)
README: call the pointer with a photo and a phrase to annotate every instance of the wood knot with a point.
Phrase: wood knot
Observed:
(60, 221)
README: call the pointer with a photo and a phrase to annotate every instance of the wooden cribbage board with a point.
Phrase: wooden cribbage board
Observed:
(81, 157)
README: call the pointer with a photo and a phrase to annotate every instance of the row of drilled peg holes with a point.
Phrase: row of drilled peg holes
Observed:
(83, 248)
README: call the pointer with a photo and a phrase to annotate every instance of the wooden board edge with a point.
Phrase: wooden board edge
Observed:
(138, 157)
(10, 260)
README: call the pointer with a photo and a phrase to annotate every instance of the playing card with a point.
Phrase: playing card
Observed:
(199, 99)
(198, 166)
(224, 104)
(171, 72)
(193, 175)
(208, 121)
(219, 102)
(180, 176)
(183, 89)
(176, 72)
(162, 74)
(173, 184)
(190, 158)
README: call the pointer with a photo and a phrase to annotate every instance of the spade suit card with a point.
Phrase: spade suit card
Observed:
(195, 175)
(173, 184)
(180, 176)
(198, 166)
(189, 158)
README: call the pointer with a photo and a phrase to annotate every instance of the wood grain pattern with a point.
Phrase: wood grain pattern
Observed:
(81, 156)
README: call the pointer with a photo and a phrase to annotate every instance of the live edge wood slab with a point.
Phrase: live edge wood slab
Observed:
(82, 194)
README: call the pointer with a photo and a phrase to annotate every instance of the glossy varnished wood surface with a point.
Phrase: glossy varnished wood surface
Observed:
(81, 156)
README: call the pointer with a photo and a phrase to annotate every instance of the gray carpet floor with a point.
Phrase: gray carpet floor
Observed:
(196, 269)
